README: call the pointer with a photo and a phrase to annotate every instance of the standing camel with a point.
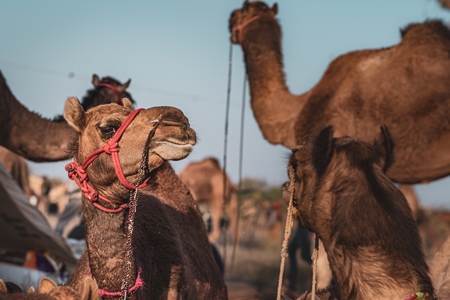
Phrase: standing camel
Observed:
(341, 193)
(157, 248)
(405, 86)
(205, 181)
(38, 139)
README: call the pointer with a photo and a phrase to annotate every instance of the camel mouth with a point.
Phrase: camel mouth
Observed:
(168, 150)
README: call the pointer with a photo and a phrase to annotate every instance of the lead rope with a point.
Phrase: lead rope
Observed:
(225, 146)
(287, 231)
(134, 196)
(315, 255)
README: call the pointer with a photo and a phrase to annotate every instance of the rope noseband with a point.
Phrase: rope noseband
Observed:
(78, 174)
(115, 90)
(240, 28)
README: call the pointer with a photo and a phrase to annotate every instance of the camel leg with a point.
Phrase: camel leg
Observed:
(216, 214)
(232, 211)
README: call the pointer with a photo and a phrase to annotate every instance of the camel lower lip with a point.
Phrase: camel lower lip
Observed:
(182, 146)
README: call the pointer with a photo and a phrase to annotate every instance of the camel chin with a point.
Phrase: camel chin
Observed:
(171, 151)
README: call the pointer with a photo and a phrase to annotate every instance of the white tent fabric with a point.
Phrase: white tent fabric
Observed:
(23, 227)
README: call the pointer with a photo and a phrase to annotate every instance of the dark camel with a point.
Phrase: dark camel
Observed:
(342, 194)
(404, 86)
(170, 255)
(38, 139)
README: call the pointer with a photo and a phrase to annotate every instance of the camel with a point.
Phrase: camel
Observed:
(205, 181)
(18, 168)
(148, 250)
(341, 193)
(404, 86)
(48, 290)
(39, 139)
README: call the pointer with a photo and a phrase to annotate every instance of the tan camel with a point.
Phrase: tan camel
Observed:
(18, 168)
(48, 290)
(164, 252)
(38, 139)
(404, 86)
(205, 181)
(341, 192)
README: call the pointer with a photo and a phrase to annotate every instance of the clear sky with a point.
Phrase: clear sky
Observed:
(176, 53)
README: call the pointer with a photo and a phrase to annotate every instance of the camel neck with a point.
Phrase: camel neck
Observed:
(273, 105)
(106, 240)
(369, 272)
(30, 135)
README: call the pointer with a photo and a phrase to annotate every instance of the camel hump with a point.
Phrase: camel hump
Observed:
(429, 31)
(213, 160)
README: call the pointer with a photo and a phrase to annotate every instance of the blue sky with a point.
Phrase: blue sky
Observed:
(176, 53)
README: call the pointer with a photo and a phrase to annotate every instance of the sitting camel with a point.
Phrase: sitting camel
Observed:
(205, 181)
(341, 192)
(48, 290)
(145, 236)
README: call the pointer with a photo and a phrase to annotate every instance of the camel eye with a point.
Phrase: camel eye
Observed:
(107, 131)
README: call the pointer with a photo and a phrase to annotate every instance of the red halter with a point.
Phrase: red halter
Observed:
(115, 90)
(240, 28)
(78, 174)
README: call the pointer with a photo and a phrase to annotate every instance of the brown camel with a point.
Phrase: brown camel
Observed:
(16, 166)
(342, 194)
(404, 86)
(38, 139)
(155, 254)
(205, 181)
(48, 290)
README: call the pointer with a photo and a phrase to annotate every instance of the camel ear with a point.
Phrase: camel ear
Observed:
(385, 147)
(31, 289)
(123, 87)
(95, 80)
(127, 103)
(74, 113)
(46, 285)
(90, 290)
(274, 9)
(323, 149)
(3, 288)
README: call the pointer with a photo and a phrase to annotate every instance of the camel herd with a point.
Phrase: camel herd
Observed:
(352, 143)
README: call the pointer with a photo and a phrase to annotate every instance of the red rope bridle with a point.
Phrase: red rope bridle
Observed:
(240, 28)
(78, 174)
(115, 90)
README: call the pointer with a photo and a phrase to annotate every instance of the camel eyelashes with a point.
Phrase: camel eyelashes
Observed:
(107, 131)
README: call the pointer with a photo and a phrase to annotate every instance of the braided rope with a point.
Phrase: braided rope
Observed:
(287, 231)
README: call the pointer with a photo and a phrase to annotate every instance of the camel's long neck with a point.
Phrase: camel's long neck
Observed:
(27, 133)
(367, 275)
(106, 240)
(274, 107)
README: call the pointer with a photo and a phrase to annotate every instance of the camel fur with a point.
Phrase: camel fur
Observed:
(170, 252)
(342, 194)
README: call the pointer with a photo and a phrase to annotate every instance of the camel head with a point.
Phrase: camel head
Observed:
(106, 90)
(163, 131)
(249, 12)
(322, 167)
